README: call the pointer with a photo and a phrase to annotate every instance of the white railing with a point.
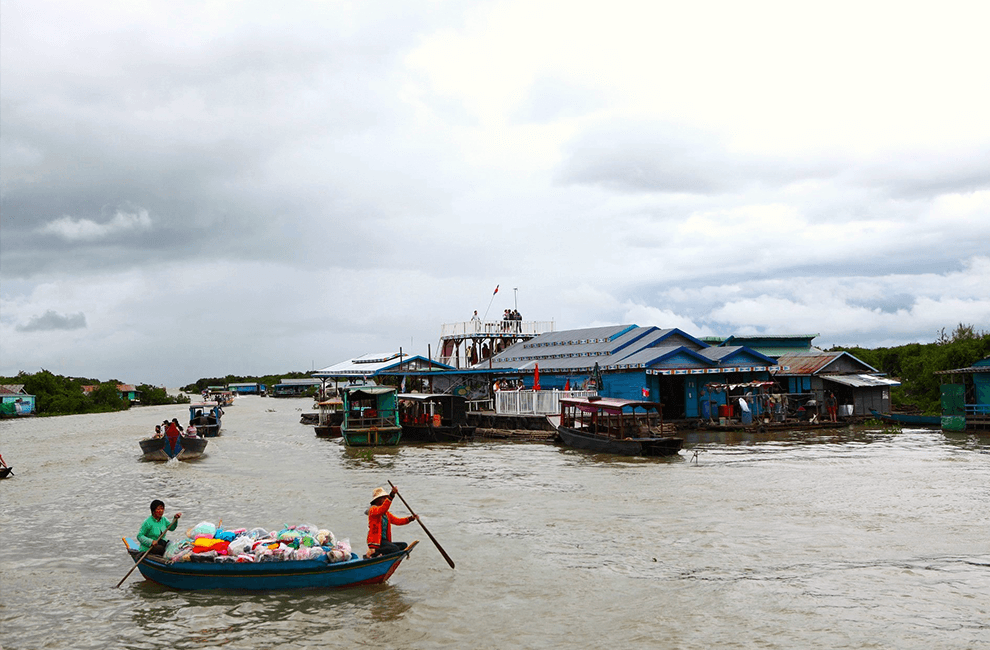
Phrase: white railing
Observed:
(496, 328)
(534, 402)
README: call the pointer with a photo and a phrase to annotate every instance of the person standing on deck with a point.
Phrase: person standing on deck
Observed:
(154, 526)
(476, 322)
(832, 406)
(379, 520)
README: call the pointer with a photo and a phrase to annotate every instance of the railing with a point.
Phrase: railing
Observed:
(977, 409)
(534, 402)
(496, 328)
(383, 419)
(479, 405)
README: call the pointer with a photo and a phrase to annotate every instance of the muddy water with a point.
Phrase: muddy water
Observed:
(852, 538)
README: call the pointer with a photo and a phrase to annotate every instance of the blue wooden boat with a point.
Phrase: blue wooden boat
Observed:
(923, 421)
(371, 416)
(267, 576)
(206, 418)
(182, 447)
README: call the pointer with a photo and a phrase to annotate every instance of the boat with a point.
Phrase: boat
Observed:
(329, 419)
(266, 576)
(206, 418)
(166, 447)
(923, 421)
(614, 426)
(434, 417)
(5, 471)
(370, 416)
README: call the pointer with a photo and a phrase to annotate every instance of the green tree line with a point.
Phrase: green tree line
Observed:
(59, 395)
(915, 365)
(267, 380)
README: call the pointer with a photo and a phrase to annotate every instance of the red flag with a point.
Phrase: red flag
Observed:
(536, 378)
(496, 290)
(646, 392)
(567, 384)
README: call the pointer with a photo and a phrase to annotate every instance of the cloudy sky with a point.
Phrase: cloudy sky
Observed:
(193, 189)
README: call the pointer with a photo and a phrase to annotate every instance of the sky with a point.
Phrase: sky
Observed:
(196, 189)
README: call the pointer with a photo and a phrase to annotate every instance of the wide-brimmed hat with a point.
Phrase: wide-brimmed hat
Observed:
(378, 494)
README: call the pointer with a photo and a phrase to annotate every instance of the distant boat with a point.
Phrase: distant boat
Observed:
(206, 418)
(614, 426)
(434, 417)
(181, 446)
(924, 421)
(370, 416)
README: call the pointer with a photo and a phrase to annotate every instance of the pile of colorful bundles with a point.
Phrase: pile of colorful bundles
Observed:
(206, 542)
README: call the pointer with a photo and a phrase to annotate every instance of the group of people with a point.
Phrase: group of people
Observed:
(173, 429)
(151, 536)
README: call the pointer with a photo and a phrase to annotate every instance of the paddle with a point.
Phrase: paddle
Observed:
(428, 533)
(145, 553)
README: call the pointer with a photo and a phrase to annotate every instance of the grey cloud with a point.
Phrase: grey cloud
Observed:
(924, 174)
(52, 320)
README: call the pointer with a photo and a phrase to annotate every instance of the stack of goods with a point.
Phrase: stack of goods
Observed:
(205, 542)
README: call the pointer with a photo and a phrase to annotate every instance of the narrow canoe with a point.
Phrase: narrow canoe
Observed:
(910, 420)
(268, 576)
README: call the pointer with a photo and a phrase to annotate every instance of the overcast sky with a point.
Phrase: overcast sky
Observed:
(193, 189)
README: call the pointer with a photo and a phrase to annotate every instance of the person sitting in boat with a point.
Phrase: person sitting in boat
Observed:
(158, 431)
(154, 526)
(379, 520)
(174, 428)
(191, 430)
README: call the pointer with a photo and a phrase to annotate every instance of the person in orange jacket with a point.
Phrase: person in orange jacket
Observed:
(379, 520)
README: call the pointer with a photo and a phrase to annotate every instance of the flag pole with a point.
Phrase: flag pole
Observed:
(490, 303)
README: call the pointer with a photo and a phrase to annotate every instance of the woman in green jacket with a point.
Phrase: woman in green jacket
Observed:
(154, 526)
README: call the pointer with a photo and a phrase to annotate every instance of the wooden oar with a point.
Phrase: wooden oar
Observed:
(428, 533)
(146, 553)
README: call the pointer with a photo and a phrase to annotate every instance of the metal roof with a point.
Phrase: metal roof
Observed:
(372, 364)
(815, 363)
(862, 381)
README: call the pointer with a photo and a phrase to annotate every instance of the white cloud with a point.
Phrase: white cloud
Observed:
(87, 230)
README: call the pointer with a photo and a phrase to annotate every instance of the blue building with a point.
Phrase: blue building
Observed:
(633, 362)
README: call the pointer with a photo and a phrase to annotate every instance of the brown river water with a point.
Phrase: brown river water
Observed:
(851, 538)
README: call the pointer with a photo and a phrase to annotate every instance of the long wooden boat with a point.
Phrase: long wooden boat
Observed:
(370, 416)
(614, 426)
(923, 421)
(207, 418)
(264, 576)
(434, 417)
(182, 447)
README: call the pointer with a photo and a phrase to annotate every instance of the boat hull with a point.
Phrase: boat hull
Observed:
(666, 446)
(183, 448)
(269, 576)
(931, 421)
(5, 471)
(372, 437)
(429, 433)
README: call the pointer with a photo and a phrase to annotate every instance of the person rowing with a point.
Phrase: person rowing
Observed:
(151, 535)
(379, 520)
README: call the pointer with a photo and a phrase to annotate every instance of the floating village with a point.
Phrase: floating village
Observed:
(613, 389)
